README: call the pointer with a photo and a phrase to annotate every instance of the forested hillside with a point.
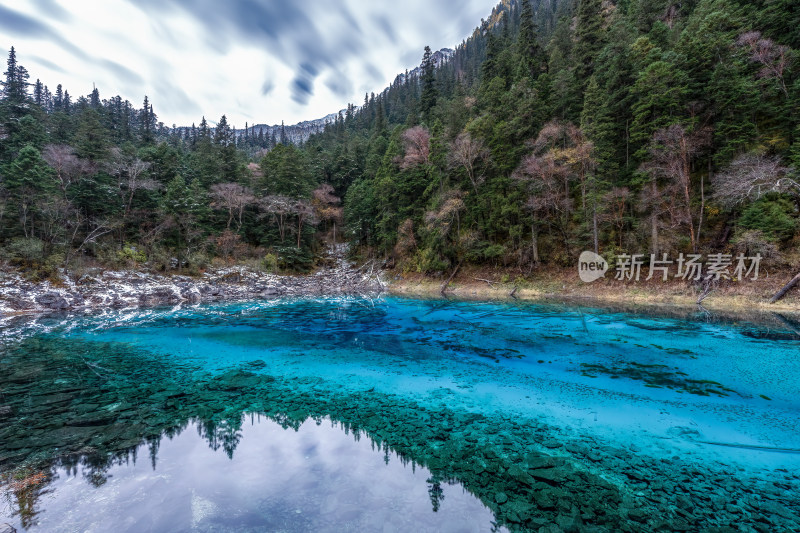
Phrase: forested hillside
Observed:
(633, 126)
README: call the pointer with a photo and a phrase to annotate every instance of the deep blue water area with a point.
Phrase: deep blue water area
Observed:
(391, 414)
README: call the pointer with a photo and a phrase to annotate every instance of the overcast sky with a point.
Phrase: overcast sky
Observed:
(259, 61)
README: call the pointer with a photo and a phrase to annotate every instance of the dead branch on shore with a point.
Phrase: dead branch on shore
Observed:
(707, 286)
(446, 283)
(786, 288)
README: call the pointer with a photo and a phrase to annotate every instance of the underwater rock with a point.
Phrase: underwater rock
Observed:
(552, 528)
(536, 462)
(552, 444)
(497, 458)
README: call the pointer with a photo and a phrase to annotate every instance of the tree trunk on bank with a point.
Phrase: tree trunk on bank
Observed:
(786, 288)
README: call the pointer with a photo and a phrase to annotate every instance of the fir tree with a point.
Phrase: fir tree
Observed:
(531, 54)
(38, 93)
(146, 124)
(94, 99)
(589, 37)
(429, 91)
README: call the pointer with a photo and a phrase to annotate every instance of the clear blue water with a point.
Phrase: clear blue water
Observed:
(522, 415)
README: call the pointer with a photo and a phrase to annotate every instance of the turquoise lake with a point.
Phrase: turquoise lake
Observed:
(391, 414)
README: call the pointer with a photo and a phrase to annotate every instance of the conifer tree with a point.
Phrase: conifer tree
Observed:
(146, 125)
(589, 38)
(94, 99)
(38, 93)
(429, 91)
(531, 54)
(203, 132)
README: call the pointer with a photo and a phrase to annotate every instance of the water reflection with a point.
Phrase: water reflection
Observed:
(259, 476)
(661, 409)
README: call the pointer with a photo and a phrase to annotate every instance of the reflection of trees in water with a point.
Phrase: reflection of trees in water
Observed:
(22, 490)
(160, 399)
(225, 434)
(24, 495)
(435, 491)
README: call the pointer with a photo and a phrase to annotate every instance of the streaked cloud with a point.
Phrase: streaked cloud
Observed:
(254, 60)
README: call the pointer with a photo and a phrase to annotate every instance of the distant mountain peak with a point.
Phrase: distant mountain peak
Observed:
(300, 132)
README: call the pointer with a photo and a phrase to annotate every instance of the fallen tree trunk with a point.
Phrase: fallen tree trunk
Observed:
(786, 288)
(446, 283)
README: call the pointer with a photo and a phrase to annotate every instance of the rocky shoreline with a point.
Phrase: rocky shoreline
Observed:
(124, 289)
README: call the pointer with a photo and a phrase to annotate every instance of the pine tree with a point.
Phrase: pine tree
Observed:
(532, 61)
(15, 87)
(589, 35)
(10, 85)
(91, 138)
(146, 124)
(48, 100)
(204, 133)
(67, 103)
(222, 134)
(58, 99)
(429, 91)
(28, 179)
(94, 99)
(38, 93)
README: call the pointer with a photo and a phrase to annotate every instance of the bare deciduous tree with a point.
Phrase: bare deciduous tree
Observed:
(305, 215)
(562, 154)
(467, 153)
(750, 176)
(774, 59)
(544, 176)
(672, 151)
(406, 241)
(130, 173)
(417, 144)
(326, 205)
(443, 224)
(68, 167)
(279, 207)
(227, 242)
(442, 219)
(232, 197)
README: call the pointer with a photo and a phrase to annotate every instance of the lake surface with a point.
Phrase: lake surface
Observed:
(399, 415)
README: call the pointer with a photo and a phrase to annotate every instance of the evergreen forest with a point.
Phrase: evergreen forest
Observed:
(627, 126)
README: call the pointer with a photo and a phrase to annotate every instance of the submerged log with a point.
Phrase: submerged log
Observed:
(786, 288)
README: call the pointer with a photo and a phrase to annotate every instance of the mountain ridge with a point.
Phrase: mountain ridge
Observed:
(300, 132)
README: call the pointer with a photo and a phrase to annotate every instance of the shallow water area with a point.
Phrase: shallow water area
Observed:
(523, 414)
